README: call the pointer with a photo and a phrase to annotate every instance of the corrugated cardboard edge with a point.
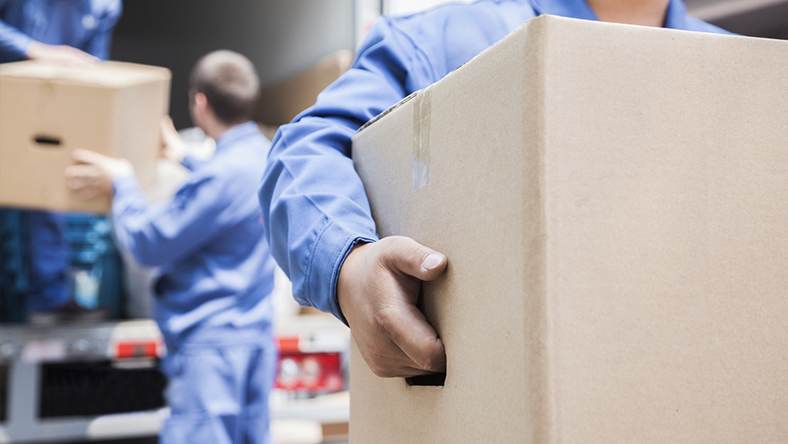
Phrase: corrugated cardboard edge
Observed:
(415, 94)
(389, 110)
(536, 270)
(147, 73)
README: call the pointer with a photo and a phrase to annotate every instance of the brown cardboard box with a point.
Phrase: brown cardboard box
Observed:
(613, 201)
(281, 102)
(46, 111)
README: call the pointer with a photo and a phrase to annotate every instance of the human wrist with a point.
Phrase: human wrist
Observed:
(348, 274)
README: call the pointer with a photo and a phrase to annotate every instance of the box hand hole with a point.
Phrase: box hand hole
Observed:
(47, 141)
(433, 379)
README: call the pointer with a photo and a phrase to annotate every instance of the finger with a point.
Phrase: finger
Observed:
(168, 132)
(80, 176)
(80, 57)
(412, 258)
(88, 157)
(77, 183)
(167, 125)
(80, 182)
(410, 331)
(92, 59)
(164, 124)
(386, 359)
(88, 193)
(81, 171)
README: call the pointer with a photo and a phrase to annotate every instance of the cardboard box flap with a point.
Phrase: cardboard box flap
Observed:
(390, 109)
(105, 74)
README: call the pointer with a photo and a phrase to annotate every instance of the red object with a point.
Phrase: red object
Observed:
(310, 373)
(288, 345)
(136, 349)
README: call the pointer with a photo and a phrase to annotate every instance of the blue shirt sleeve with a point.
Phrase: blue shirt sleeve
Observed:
(314, 205)
(108, 16)
(86, 25)
(311, 197)
(191, 163)
(162, 233)
(13, 43)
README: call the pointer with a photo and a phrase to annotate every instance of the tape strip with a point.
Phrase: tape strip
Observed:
(422, 114)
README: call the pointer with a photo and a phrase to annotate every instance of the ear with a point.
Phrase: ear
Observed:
(203, 107)
(201, 101)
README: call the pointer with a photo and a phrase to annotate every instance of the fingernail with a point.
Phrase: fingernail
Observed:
(432, 261)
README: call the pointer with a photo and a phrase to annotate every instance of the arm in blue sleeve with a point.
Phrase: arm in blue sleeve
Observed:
(191, 162)
(314, 205)
(13, 43)
(100, 42)
(157, 234)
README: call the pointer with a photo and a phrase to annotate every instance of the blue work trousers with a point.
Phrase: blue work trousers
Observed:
(219, 394)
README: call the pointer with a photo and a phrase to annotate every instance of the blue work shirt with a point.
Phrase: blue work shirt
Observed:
(84, 24)
(314, 204)
(215, 270)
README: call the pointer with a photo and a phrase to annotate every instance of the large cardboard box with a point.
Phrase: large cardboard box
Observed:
(47, 111)
(613, 201)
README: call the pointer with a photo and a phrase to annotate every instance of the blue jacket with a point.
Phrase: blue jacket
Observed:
(215, 270)
(314, 204)
(83, 24)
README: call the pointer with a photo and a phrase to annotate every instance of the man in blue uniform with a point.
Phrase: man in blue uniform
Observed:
(70, 32)
(314, 206)
(216, 274)
(73, 31)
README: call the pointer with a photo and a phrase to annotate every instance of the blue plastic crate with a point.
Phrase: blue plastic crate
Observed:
(13, 266)
(93, 254)
(95, 263)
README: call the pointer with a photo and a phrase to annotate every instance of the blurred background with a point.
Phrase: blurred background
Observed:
(283, 37)
(99, 383)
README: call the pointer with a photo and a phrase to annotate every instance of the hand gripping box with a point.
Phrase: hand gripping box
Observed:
(613, 201)
(47, 111)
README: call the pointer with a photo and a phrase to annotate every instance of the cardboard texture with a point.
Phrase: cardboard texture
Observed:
(281, 102)
(613, 201)
(47, 111)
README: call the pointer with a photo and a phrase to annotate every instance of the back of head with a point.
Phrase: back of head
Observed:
(229, 82)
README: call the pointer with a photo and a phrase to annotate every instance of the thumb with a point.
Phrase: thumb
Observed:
(167, 123)
(414, 259)
(167, 128)
(87, 156)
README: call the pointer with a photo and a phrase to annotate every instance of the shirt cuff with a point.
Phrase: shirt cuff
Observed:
(190, 162)
(125, 184)
(332, 246)
(24, 43)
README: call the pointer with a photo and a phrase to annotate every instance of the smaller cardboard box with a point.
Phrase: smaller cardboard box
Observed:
(47, 111)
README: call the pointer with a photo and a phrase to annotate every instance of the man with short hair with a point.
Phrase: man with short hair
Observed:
(216, 274)
(315, 209)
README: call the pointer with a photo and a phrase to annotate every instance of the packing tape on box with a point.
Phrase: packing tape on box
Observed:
(421, 139)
